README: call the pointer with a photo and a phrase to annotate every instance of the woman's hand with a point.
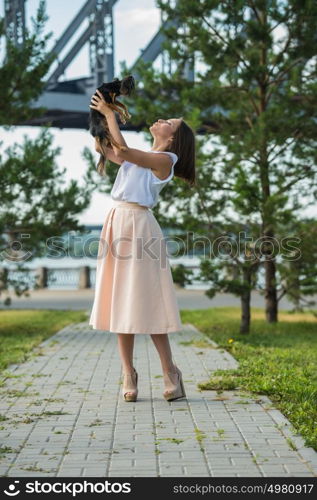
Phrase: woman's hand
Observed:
(100, 104)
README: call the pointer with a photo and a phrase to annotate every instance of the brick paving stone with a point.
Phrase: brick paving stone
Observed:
(78, 424)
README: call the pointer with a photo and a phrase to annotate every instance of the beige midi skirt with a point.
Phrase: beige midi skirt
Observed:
(134, 289)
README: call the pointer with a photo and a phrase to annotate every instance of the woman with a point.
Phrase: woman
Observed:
(134, 292)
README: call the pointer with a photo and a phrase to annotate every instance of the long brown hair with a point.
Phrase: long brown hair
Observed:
(184, 146)
(103, 144)
(102, 150)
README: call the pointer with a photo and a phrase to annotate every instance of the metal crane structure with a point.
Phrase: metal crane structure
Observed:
(67, 101)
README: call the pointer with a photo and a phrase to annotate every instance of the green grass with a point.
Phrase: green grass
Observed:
(200, 436)
(22, 330)
(278, 360)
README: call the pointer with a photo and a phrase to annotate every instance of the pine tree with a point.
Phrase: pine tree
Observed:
(23, 70)
(256, 99)
(36, 203)
(298, 270)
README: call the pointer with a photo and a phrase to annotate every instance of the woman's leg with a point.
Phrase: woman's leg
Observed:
(162, 344)
(125, 345)
(170, 375)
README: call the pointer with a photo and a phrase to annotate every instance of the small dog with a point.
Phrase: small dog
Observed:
(98, 126)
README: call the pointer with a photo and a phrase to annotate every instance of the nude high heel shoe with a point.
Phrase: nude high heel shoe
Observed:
(129, 386)
(173, 391)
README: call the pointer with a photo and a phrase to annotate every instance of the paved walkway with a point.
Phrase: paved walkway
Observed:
(66, 417)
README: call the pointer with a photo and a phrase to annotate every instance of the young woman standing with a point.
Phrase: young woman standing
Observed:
(134, 291)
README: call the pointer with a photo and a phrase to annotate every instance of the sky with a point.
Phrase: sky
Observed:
(134, 20)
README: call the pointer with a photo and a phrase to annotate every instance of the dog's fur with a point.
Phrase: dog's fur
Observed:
(98, 126)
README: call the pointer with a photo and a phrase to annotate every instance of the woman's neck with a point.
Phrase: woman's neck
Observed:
(158, 147)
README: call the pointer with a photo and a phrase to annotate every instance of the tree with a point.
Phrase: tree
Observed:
(22, 72)
(36, 204)
(299, 272)
(257, 100)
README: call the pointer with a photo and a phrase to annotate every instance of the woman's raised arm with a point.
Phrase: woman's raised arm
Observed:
(114, 129)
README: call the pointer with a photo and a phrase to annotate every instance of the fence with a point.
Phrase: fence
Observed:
(62, 278)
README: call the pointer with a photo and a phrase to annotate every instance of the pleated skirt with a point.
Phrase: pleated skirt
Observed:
(134, 289)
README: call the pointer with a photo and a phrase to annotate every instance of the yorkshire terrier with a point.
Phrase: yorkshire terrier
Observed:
(98, 126)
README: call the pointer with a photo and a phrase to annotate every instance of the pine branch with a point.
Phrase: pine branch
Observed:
(247, 91)
(221, 186)
(253, 7)
(275, 26)
(283, 51)
(290, 184)
(204, 206)
(297, 134)
(300, 298)
(280, 79)
(227, 43)
(284, 291)
(277, 80)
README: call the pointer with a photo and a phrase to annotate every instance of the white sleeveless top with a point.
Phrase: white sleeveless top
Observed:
(139, 184)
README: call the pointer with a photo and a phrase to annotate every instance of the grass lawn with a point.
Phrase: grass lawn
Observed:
(22, 330)
(279, 360)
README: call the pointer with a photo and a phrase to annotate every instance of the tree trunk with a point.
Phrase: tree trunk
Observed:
(295, 286)
(271, 304)
(245, 303)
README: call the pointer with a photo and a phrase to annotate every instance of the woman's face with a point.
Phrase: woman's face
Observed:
(165, 129)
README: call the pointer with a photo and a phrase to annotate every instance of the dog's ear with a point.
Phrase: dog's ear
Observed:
(127, 85)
